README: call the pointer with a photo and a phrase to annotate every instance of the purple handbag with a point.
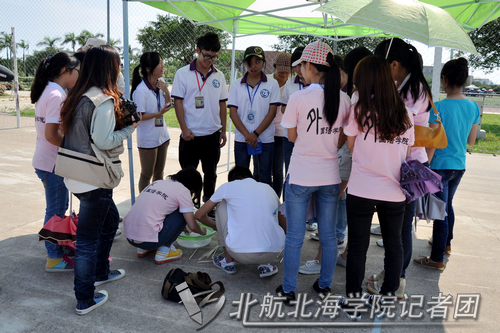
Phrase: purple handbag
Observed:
(418, 180)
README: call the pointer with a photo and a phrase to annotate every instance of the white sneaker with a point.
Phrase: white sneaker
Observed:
(314, 236)
(341, 261)
(311, 226)
(141, 253)
(376, 230)
(267, 270)
(311, 267)
(380, 242)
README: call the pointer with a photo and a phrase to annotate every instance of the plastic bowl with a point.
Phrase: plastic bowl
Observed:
(195, 240)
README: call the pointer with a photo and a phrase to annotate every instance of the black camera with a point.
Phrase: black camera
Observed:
(129, 110)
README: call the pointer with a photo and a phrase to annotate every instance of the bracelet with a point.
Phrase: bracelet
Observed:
(257, 134)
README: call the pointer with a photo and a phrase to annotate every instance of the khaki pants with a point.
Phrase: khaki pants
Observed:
(244, 258)
(152, 164)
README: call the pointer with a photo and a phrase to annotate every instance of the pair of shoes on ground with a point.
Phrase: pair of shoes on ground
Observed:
(374, 287)
(376, 230)
(429, 263)
(265, 270)
(314, 266)
(163, 254)
(59, 265)
(447, 249)
(290, 296)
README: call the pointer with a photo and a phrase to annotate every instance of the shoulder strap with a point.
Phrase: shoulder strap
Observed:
(438, 118)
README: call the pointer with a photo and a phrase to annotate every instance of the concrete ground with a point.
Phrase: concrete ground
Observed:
(32, 300)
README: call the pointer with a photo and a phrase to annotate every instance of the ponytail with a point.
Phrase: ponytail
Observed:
(331, 80)
(136, 79)
(148, 60)
(50, 69)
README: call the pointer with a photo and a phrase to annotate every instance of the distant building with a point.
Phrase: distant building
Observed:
(482, 81)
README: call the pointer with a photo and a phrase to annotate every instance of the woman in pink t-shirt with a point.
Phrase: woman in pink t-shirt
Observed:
(406, 70)
(53, 77)
(313, 117)
(379, 133)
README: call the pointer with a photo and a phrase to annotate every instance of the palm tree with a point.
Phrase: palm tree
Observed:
(115, 43)
(25, 46)
(70, 38)
(84, 35)
(6, 43)
(49, 42)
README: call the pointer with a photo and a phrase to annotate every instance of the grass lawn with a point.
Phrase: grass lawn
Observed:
(491, 145)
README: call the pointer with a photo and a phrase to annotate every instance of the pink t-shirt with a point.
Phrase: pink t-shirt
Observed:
(145, 219)
(314, 160)
(47, 111)
(376, 164)
(420, 117)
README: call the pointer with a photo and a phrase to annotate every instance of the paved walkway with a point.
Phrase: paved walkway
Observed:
(32, 300)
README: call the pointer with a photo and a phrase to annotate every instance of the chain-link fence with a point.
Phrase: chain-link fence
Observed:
(174, 37)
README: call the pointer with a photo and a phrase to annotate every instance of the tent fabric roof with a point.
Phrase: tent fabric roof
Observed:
(251, 17)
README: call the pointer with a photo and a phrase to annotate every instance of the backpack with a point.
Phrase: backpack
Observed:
(199, 283)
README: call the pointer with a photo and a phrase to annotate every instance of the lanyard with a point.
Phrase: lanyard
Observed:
(157, 95)
(254, 93)
(300, 86)
(198, 80)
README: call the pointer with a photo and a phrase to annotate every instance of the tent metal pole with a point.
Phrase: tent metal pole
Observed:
(108, 23)
(126, 74)
(16, 76)
(232, 78)
(436, 73)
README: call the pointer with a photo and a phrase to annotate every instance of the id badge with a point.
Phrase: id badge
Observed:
(199, 102)
(159, 121)
(251, 117)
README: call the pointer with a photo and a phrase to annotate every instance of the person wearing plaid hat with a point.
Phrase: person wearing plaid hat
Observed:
(253, 100)
(313, 117)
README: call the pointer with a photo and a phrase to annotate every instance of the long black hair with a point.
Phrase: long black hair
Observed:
(191, 179)
(408, 56)
(379, 106)
(350, 61)
(148, 60)
(456, 72)
(331, 81)
(49, 69)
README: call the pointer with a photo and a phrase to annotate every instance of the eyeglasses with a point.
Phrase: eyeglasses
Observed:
(76, 69)
(208, 56)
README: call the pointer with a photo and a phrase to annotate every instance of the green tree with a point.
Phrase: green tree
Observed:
(49, 43)
(71, 39)
(175, 38)
(116, 44)
(25, 46)
(486, 41)
(6, 43)
(85, 34)
(288, 43)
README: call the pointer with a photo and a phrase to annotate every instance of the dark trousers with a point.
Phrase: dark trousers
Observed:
(205, 149)
(359, 218)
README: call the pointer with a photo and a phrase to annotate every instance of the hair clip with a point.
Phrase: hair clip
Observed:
(50, 56)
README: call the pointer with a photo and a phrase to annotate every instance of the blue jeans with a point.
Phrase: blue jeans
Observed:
(97, 224)
(173, 225)
(265, 160)
(341, 220)
(287, 154)
(56, 199)
(359, 216)
(442, 232)
(297, 202)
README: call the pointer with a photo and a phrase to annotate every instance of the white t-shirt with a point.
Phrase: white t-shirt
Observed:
(153, 132)
(47, 111)
(161, 198)
(291, 86)
(314, 160)
(376, 164)
(278, 129)
(263, 95)
(187, 84)
(252, 224)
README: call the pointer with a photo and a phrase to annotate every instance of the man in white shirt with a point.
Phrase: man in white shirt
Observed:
(247, 223)
(200, 94)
